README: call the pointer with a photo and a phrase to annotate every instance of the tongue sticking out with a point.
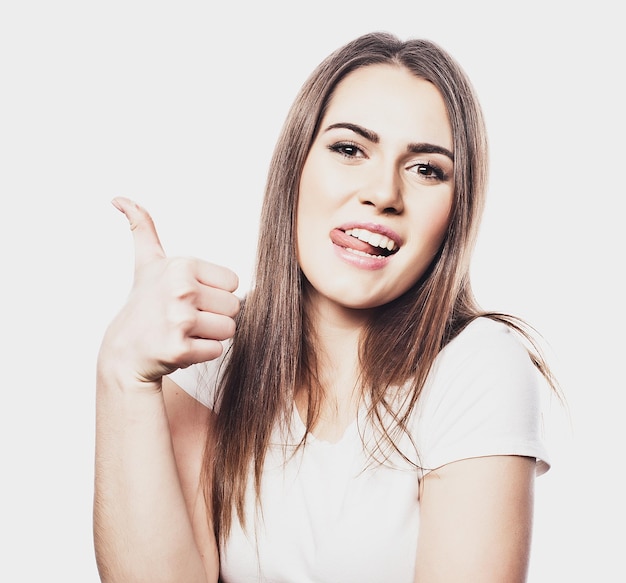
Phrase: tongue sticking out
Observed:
(338, 237)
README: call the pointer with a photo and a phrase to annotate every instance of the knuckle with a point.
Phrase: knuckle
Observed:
(180, 318)
(180, 267)
(185, 292)
(179, 350)
(181, 283)
(183, 263)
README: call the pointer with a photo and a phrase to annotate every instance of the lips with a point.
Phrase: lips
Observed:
(370, 241)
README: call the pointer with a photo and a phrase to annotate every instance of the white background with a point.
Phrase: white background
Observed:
(178, 105)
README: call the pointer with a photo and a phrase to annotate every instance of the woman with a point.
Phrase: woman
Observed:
(358, 417)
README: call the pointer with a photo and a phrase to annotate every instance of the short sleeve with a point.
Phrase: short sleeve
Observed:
(482, 398)
(201, 380)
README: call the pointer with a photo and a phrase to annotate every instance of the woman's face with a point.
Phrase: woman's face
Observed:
(376, 189)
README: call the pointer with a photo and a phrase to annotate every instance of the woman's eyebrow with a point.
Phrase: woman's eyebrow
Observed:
(357, 129)
(416, 148)
(426, 148)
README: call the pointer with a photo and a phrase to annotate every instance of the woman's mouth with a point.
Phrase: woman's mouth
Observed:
(364, 242)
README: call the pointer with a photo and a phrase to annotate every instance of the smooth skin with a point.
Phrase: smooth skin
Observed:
(382, 160)
(373, 163)
(476, 521)
(475, 514)
(149, 514)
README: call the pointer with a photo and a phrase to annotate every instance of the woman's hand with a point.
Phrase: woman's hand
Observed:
(178, 312)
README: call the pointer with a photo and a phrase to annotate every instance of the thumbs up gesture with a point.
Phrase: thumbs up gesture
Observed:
(177, 313)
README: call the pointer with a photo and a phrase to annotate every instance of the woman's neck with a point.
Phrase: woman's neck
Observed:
(336, 334)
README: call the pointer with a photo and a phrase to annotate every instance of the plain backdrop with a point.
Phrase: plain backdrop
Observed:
(178, 105)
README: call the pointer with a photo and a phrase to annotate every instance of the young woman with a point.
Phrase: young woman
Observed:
(357, 417)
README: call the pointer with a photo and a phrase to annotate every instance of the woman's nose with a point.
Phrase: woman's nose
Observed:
(383, 190)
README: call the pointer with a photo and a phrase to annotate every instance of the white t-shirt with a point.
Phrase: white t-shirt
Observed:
(329, 516)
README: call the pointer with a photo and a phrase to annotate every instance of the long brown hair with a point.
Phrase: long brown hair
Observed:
(273, 349)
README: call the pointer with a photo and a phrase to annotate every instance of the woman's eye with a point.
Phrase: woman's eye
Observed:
(428, 171)
(348, 150)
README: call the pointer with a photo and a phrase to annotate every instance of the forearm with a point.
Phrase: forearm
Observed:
(142, 529)
(178, 313)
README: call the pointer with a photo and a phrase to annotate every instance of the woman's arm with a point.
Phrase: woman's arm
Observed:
(142, 525)
(146, 507)
(476, 521)
(189, 422)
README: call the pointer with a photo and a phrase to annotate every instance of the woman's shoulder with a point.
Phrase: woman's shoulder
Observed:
(487, 361)
(483, 397)
(486, 340)
(484, 328)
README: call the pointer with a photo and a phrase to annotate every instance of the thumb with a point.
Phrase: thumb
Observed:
(147, 243)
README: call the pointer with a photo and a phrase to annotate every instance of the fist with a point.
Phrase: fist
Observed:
(178, 312)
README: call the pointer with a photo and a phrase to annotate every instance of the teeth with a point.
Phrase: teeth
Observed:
(374, 239)
(362, 253)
